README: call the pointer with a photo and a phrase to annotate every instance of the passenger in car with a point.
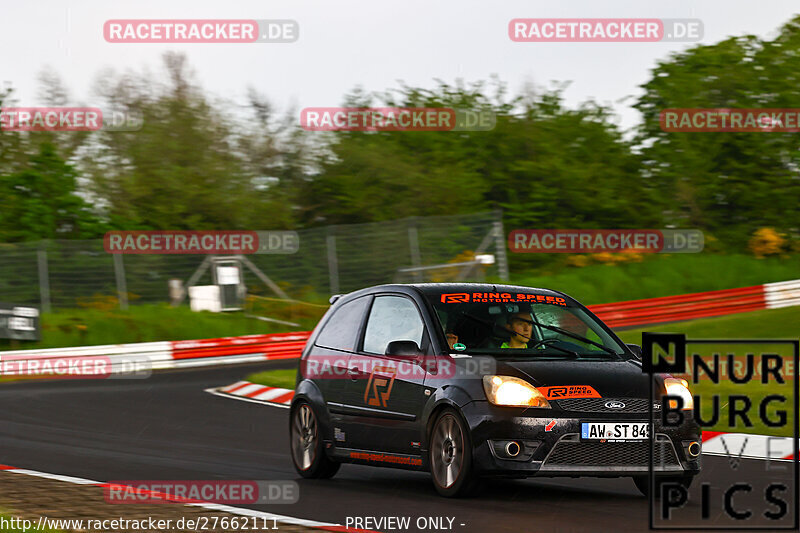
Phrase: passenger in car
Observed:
(452, 338)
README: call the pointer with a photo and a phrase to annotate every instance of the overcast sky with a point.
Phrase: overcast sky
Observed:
(369, 43)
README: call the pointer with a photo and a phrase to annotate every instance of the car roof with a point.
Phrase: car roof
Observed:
(431, 288)
(427, 289)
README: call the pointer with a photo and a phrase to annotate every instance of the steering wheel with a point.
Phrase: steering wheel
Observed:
(544, 342)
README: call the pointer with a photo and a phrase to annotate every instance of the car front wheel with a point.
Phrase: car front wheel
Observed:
(450, 456)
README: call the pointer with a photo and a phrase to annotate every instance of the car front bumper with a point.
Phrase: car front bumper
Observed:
(550, 444)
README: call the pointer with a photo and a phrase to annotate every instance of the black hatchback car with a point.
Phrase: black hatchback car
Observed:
(469, 380)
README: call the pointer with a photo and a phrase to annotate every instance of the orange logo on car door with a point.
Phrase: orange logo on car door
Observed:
(379, 387)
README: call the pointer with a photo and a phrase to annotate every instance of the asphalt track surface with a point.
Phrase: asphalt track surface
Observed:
(167, 428)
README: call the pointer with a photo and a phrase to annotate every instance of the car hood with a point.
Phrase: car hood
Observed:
(608, 378)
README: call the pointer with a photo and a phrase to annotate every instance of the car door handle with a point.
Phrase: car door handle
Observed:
(353, 372)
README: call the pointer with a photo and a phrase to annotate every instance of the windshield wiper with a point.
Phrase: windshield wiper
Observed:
(546, 342)
(575, 336)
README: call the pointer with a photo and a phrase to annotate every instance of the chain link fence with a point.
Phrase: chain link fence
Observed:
(330, 260)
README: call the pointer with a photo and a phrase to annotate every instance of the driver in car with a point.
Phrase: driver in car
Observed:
(520, 326)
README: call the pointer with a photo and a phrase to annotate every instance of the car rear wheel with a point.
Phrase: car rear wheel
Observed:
(643, 483)
(308, 456)
(450, 456)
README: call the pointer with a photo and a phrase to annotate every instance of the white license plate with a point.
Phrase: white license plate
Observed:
(614, 431)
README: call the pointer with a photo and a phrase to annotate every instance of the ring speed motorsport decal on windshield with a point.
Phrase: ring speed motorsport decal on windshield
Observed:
(486, 297)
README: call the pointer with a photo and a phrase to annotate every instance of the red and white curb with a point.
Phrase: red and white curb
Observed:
(326, 526)
(253, 392)
(167, 355)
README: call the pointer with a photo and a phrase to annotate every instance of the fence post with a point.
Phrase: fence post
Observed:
(413, 244)
(333, 266)
(44, 280)
(500, 245)
(122, 289)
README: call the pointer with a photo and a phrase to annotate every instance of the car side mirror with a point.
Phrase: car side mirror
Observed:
(404, 349)
(636, 349)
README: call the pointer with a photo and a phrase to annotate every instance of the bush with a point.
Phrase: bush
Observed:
(766, 241)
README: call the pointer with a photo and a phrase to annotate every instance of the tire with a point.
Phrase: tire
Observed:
(305, 444)
(643, 483)
(450, 456)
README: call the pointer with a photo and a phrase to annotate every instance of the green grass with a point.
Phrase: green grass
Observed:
(769, 323)
(142, 323)
(659, 275)
(284, 379)
(772, 324)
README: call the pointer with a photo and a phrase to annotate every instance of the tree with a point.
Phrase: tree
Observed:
(41, 202)
(545, 165)
(182, 169)
(727, 183)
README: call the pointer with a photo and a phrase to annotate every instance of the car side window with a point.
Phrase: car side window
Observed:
(341, 331)
(392, 318)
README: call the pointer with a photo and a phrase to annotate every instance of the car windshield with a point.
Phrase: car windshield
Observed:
(521, 326)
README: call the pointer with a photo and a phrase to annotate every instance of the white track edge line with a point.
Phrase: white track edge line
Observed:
(210, 506)
(215, 392)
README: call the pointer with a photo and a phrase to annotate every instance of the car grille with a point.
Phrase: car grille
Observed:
(630, 454)
(598, 405)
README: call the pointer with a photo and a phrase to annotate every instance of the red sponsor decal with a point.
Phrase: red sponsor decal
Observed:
(501, 297)
(550, 426)
(455, 298)
(569, 391)
(384, 458)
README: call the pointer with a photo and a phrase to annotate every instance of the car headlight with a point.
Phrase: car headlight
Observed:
(511, 391)
(679, 387)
